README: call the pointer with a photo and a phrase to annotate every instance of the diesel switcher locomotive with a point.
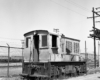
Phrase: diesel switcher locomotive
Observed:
(51, 56)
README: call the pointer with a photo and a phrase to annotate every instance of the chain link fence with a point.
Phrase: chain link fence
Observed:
(11, 59)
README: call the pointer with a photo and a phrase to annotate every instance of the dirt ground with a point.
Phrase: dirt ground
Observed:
(95, 76)
(10, 78)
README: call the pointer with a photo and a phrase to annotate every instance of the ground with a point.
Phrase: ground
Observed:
(95, 76)
(11, 78)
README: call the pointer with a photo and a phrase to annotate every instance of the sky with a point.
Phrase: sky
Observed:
(69, 16)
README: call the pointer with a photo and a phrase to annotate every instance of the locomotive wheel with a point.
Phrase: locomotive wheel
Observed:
(40, 78)
(25, 79)
(77, 71)
(74, 72)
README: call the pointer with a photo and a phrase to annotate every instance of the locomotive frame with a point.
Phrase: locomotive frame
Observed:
(51, 56)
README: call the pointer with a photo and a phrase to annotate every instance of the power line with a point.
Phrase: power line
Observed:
(68, 8)
(10, 38)
(10, 43)
(79, 6)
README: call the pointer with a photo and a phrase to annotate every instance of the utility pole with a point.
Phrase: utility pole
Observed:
(96, 33)
(94, 38)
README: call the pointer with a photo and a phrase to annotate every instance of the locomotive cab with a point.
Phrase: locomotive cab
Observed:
(41, 45)
(50, 55)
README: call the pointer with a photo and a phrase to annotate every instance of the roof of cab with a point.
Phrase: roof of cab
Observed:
(32, 32)
(71, 39)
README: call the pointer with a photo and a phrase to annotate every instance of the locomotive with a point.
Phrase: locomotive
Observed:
(51, 56)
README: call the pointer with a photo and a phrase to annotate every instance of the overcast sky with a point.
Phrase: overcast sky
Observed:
(69, 16)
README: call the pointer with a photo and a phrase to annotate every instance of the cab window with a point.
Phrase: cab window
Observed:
(54, 41)
(28, 39)
(44, 40)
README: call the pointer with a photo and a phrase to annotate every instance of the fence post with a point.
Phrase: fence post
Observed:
(8, 59)
(22, 54)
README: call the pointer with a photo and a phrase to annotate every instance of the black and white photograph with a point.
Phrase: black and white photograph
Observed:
(49, 39)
